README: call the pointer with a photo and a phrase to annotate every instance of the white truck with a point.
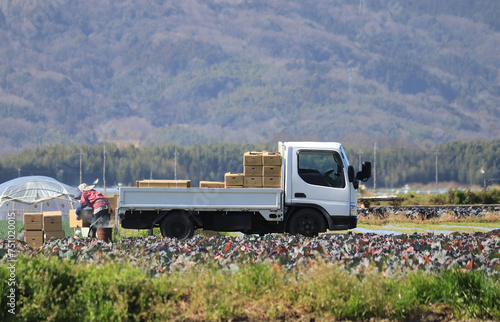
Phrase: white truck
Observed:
(318, 193)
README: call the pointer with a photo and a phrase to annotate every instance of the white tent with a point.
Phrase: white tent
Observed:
(35, 194)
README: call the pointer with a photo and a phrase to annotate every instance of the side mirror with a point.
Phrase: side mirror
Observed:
(366, 168)
(365, 173)
(350, 173)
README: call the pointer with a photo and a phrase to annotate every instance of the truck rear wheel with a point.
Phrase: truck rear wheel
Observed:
(307, 222)
(177, 225)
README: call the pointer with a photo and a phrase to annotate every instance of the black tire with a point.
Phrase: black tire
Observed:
(177, 225)
(307, 222)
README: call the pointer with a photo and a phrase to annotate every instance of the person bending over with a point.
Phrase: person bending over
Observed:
(98, 202)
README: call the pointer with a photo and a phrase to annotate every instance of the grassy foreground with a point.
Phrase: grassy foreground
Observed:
(52, 289)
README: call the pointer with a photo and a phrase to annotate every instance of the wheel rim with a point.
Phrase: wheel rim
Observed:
(177, 226)
(306, 226)
(307, 223)
(178, 229)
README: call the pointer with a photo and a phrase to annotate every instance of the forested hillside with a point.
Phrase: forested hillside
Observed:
(468, 163)
(399, 73)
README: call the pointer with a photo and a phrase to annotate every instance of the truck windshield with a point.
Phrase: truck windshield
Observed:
(322, 168)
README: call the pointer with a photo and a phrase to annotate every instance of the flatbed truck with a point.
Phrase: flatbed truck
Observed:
(318, 192)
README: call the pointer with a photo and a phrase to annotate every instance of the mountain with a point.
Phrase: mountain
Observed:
(399, 73)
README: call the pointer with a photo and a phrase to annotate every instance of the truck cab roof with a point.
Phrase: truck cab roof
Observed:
(313, 145)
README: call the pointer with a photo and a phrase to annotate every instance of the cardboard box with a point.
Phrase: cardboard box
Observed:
(271, 171)
(271, 158)
(56, 234)
(74, 223)
(252, 182)
(52, 221)
(252, 158)
(33, 238)
(271, 182)
(113, 204)
(163, 183)
(252, 171)
(33, 221)
(233, 179)
(234, 186)
(52, 213)
(212, 184)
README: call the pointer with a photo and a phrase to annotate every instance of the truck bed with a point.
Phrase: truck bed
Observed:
(199, 199)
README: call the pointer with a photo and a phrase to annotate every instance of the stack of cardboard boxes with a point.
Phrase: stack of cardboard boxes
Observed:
(271, 170)
(261, 170)
(52, 225)
(42, 226)
(33, 226)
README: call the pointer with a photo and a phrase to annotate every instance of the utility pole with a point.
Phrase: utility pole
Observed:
(362, 7)
(436, 165)
(375, 166)
(175, 164)
(81, 154)
(104, 170)
(359, 160)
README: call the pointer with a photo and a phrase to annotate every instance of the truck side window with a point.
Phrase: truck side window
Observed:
(321, 168)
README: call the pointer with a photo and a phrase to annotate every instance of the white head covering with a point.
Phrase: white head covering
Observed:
(83, 187)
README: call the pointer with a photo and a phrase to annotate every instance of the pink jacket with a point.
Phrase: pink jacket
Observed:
(94, 199)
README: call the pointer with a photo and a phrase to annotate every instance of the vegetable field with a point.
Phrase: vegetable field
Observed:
(334, 276)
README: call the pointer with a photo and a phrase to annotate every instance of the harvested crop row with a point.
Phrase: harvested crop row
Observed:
(356, 252)
(426, 213)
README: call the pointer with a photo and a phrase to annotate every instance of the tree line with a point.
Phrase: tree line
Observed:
(464, 162)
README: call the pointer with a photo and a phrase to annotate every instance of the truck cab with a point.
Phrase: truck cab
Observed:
(319, 193)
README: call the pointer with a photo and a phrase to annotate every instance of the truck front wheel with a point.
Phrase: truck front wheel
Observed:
(177, 225)
(307, 222)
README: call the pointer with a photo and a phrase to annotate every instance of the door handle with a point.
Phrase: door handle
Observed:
(300, 195)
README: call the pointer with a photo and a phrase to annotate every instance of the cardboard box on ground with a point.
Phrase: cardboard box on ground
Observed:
(55, 234)
(52, 221)
(34, 238)
(33, 221)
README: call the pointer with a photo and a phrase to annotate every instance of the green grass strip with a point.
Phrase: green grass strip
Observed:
(54, 290)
